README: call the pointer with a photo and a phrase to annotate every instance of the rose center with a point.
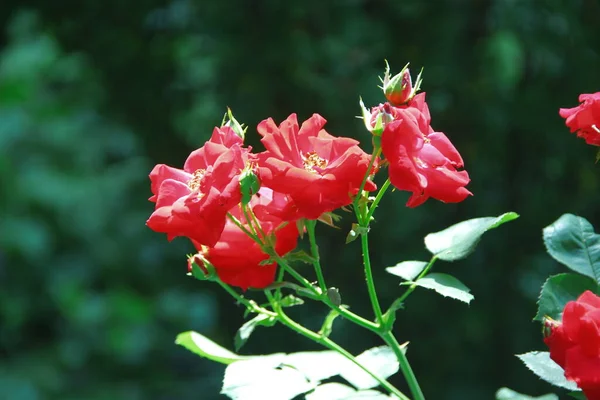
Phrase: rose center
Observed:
(197, 176)
(312, 160)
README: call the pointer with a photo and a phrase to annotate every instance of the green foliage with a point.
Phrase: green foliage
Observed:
(205, 347)
(459, 240)
(83, 299)
(446, 285)
(558, 290)
(380, 360)
(407, 270)
(284, 376)
(540, 363)
(508, 394)
(243, 334)
(571, 241)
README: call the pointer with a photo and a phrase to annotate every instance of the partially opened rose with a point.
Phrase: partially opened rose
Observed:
(585, 118)
(237, 258)
(422, 161)
(194, 201)
(319, 172)
(575, 343)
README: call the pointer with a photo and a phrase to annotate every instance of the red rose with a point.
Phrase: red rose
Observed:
(194, 202)
(575, 344)
(237, 258)
(585, 118)
(320, 172)
(420, 160)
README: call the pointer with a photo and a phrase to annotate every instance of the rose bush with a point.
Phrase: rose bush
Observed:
(245, 212)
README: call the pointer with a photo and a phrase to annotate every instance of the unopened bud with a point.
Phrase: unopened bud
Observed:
(200, 268)
(249, 183)
(399, 89)
(231, 122)
(549, 326)
(377, 118)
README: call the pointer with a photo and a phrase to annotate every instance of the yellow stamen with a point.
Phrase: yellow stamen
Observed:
(197, 176)
(312, 160)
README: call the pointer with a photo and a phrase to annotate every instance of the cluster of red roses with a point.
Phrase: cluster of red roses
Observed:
(304, 173)
(585, 118)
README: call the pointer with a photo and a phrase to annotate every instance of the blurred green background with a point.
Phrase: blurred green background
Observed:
(93, 94)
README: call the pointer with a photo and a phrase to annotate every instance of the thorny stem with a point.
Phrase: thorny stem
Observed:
(364, 241)
(378, 198)
(314, 250)
(407, 371)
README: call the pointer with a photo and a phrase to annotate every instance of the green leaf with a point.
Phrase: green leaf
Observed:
(243, 334)
(301, 256)
(333, 294)
(389, 317)
(264, 378)
(560, 289)
(571, 241)
(300, 290)
(380, 360)
(577, 395)
(540, 363)
(317, 365)
(458, 241)
(407, 270)
(355, 232)
(508, 394)
(330, 219)
(204, 347)
(446, 285)
(290, 300)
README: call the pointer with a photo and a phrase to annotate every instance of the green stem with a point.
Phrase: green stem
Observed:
(364, 216)
(240, 225)
(280, 274)
(378, 198)
(330, 344)
(259, 228)
(344, 312)
(412, 287)
(407, 371)
(314, 249)
(364, 241)
(364, 181)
